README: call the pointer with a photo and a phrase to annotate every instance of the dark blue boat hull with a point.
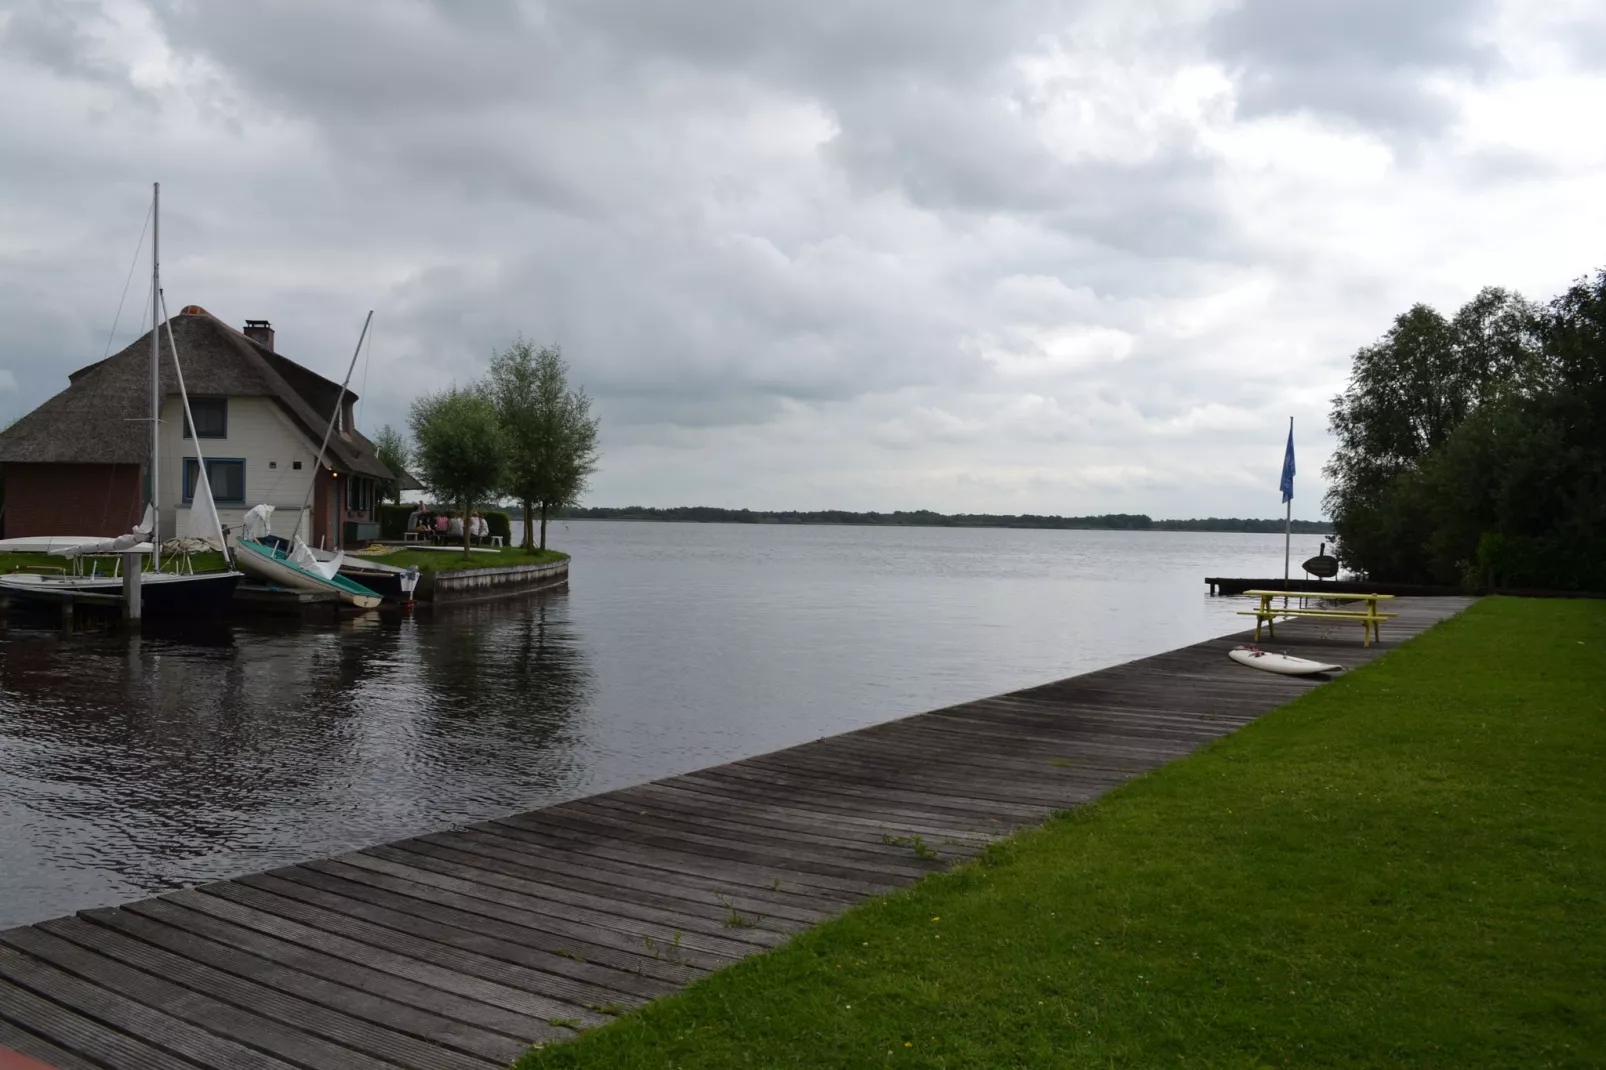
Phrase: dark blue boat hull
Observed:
(205, 594)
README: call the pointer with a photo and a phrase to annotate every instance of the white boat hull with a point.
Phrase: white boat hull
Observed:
(44, 544)
(1280, 663)
(286, 574)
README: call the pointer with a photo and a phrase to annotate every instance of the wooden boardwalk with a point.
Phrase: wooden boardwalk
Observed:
(457, 949)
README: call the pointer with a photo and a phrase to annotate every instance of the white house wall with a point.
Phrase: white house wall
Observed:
(262, 436)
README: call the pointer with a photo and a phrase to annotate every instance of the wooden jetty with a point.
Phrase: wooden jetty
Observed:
(458, 948)
(1233, 585)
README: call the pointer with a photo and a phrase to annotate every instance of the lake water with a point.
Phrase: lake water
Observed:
(133, 764)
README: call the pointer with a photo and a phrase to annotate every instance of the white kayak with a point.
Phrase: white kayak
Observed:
(1280, 663)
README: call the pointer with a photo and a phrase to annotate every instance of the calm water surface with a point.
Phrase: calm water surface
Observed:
(132, 764)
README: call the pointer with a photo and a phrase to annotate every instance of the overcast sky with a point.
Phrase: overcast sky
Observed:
(1014, 256)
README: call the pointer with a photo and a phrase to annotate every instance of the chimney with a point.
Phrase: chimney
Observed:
(260, 332)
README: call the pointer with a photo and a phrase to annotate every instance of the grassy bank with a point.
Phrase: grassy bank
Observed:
(439, 560)
(1405, 867)
(208, 562)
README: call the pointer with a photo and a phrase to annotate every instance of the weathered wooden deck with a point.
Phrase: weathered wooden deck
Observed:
(459, 948)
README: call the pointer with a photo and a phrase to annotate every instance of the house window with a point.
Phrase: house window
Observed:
(211, 417)
(227, 477)
(359, 494)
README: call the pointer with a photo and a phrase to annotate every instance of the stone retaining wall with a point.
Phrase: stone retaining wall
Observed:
(477, 584)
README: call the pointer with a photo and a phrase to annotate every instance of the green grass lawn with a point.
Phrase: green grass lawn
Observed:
(1406, 867)
(437, 560)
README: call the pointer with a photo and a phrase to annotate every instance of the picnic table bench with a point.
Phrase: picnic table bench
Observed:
(1266, 614)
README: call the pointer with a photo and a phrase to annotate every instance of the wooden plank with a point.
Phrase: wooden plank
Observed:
(466, 964)
(182, 1004)
(426, 1014)
(397, 981)
(159, 1038)
(629, 882)
(725, 864)
(624, 909)
(15, 1058)
(914, 803)
(518, 923)
(859, 858)
(799, 811)
(622, 970)
(520, 902)
(68, 1039)
(361, 1035)
(662, 862)
(827, 805)
(808, 867)
(742, 818)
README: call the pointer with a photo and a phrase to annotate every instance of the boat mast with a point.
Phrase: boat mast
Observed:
(156, 374)
(323, 447)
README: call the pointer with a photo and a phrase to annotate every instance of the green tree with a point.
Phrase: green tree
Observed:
(551, 434)
(1407, 394)
(391, 445)
(460, 450)
(1474, 449)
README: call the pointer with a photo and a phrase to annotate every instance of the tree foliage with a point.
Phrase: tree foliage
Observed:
(460, 449)
(391, 446)
(550, 432)
(1474, 449)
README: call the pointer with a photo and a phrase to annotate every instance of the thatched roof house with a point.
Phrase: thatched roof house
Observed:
(76, 465)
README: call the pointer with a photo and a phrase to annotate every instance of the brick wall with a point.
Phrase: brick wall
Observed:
(71, 499)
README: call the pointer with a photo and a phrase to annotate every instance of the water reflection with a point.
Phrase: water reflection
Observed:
(135, 762)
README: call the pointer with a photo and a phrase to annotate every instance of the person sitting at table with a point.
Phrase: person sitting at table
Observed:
(454, 528)
(479, 529)
(412, 518)
(440, 526)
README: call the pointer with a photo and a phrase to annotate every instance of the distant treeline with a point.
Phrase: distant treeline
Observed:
(925, 518)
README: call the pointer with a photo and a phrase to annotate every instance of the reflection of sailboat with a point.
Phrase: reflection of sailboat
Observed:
(161, 593)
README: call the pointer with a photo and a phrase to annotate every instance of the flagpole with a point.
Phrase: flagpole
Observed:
(1288, 525)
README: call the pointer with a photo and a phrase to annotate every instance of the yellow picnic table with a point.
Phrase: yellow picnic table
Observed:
(1267, 614)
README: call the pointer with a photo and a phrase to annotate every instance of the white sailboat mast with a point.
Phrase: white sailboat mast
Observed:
(156, 374)
(340, 403)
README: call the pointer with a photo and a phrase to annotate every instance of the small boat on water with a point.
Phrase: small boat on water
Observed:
(289, 563)
(392, 582)
(162, 594)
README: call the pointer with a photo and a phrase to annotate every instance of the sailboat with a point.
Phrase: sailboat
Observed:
(291, 563)
(178, 593)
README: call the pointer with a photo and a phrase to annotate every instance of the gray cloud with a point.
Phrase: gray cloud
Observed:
(1368, 61)
(874, 255)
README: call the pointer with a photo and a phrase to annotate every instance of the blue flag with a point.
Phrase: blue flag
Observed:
(1288, 466)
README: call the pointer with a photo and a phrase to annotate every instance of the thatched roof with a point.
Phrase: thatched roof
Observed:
(103, 417)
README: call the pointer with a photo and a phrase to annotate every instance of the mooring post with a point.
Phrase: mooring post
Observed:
(133, 600)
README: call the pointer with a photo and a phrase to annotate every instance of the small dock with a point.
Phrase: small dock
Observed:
(459, 948)
(266, 600)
